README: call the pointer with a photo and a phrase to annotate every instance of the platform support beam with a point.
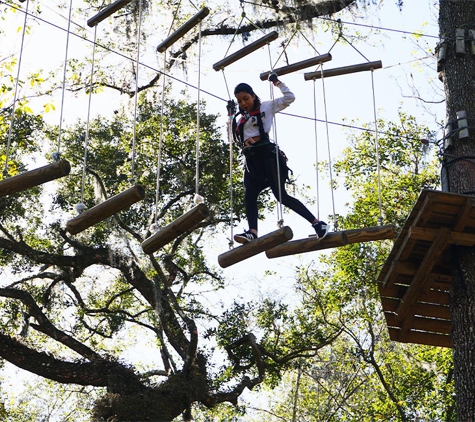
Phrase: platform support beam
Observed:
(255, 247)
(183, 224)
(105, 209)
(35, 177)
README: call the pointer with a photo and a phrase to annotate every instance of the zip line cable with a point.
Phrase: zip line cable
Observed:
(149, 67)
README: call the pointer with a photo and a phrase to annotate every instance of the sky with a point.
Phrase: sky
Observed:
(344, 99)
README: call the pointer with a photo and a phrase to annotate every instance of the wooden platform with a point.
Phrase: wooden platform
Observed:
(415, 281)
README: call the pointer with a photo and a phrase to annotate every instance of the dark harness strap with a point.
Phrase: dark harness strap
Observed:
(238, 128)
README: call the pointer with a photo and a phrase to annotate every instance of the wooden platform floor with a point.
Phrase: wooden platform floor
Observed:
(415, 281)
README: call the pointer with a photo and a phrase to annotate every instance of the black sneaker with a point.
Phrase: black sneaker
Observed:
(321, 228)
(245, 237)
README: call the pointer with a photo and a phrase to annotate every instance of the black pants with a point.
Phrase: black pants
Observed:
(260, 173)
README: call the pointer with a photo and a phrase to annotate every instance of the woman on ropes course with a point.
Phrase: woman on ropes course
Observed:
(261, 169)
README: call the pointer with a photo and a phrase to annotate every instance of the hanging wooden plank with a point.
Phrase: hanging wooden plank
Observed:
(35, 177)
(327, 73)
(255, 247)
(106, 12)
(314, 61)
(105, 209)
(248, 49)
(180, 32)
(183, 224)
(332, 240)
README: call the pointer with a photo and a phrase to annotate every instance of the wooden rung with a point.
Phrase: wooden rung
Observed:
(255, 247)
(105, 209)
(248, 49)
(106, 12)
(186, 222)
(35, 177)
(297, 66)
(343, 70)
(180, 32)
(332, 240)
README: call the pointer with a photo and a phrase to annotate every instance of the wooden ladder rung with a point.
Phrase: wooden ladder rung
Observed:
(105, 209)
(186, 222)
(255, 247)
(34, 177)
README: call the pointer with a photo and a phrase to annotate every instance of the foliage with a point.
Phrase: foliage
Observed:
(362, 375)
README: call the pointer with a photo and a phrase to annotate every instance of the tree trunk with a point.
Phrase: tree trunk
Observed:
(457, 65)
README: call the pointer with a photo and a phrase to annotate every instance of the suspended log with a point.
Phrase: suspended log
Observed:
(107, 11)
(248, 49)
(297, 66)
(268, 241)
(186, 222)
(332, 240)
(343, 70)
(105, 209)
(180, 32)
(35, 177)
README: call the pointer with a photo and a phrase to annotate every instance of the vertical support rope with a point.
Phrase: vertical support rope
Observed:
(376, 141)
(15, 95)
(317, 169)
(231, 111)
(279, 208)
(329, 151)
(160, 142)
(86, 137)
(64, 78)
(198, 198)
(137, 64)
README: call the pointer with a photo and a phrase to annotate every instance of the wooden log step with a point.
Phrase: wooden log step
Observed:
(261, 244)
(35, 177)
(105, 209)
(186, 222)
(332, 240)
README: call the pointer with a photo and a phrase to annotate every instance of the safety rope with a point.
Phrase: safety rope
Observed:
(137, 65)
(64, 79)
(330, 165)
(80, 207)
(15, 95)
(376, 142)
(198, 198)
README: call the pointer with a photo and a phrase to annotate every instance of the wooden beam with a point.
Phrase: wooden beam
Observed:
(180, 32)
(370, 234)
(187, 222)
(297, 66)
(35, 177)
(255, 247)
(107, 11)
(455, 238)
(430, 310)
(432, 325)
(332, 240)
(327, 73)
(310, 244)
(248, 49)
(105, 209)
(429, 339)
(419, 281)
